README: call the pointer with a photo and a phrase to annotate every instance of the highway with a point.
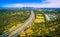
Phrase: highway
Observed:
(48, 16)
(21, 28)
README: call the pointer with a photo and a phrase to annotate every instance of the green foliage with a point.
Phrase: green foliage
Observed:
(9, 18)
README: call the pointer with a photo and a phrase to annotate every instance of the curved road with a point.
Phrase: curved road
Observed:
(21, 28)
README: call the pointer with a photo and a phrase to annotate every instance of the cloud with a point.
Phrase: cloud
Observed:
(44, 4)
(50, 4)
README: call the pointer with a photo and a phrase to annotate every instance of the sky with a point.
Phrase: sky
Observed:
(30, 3)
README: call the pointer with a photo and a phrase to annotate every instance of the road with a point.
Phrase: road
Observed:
(48, 17)
(21, 28)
